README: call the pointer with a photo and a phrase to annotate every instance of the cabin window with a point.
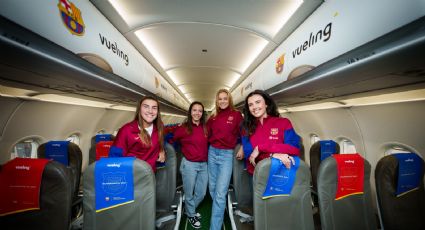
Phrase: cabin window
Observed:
(314, 138)
(396, 149)
(347, 146)
(102, 131)
(74, 138)
(25, 149)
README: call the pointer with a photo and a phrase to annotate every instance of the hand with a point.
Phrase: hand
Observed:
(161, 157)
(239, 154)
(286, 159)
(254, 155)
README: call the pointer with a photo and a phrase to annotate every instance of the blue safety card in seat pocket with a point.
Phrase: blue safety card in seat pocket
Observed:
(409, 172)
(114, 184)
(58, 151)
(327, 148)
(281, 180)
(103, 137)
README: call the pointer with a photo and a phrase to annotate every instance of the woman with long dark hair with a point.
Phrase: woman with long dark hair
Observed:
(143, 137)
(192, 135)
(265, 133)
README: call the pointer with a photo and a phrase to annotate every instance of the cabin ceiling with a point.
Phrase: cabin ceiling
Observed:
(200, 46)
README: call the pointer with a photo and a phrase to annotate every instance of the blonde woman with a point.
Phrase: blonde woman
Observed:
(223, 130)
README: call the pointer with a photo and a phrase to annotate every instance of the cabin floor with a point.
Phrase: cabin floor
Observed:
(205, 210)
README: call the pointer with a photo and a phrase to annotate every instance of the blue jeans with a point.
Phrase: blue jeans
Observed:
(195, 181)
(220, 165)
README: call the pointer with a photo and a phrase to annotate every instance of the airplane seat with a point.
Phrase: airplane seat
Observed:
(290, 211)
(70, 155)
(318, 152)
(94, 154)
(168, 200)
(345, 197)
(400, 191)
(119, 193)
(48, 183)
(179, 158)
(240, 196)
(56, 150)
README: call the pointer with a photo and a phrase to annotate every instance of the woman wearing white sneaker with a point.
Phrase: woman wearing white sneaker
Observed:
(194, 144)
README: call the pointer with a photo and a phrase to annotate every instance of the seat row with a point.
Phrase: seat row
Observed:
(341, 183)
(118, 193)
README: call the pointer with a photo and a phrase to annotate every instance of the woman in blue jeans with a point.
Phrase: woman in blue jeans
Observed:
(223, 131)
(192, 136)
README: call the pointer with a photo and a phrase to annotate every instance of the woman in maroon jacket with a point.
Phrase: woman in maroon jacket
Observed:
(266, 134)
(223, 131)
(143, 137)
(192, 136)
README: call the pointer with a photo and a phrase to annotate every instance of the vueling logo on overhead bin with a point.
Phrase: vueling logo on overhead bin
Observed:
(279, 63)
(71, 17)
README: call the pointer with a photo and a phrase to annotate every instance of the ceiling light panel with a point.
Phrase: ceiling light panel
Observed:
(182, 43)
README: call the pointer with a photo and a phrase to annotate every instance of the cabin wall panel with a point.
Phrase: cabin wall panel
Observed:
(113, 120)
(327, 124)
(394, 123)
(54, 121)
(371, 128)
(8, 106)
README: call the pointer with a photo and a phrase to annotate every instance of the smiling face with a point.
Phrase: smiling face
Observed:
(257, 106)
(148, 112)
(223, 100)
(196, 113)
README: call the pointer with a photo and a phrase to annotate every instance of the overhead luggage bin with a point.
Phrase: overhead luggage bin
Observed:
(32, 62)
(390, 61)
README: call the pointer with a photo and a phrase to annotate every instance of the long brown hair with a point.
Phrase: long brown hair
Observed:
(229, 96)
(249, 122)
(189, 128)
(144, 136)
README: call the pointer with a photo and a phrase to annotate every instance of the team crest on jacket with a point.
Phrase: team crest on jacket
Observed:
(274, 131)
(229, 120)
(71, 17)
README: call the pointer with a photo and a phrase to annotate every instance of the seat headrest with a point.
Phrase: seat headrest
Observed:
(410, 167)
(316, 157)
(102, 149)
(58, 151)
(103, 137)
(327, 149)
(115, 151)
(350, 175)
(20, 185)
(114, 184)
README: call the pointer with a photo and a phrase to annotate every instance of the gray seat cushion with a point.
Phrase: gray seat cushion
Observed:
(55, 202)
(75, 158)
(404, 212)
(283, 212)
(139, 214)
(352, 212)
(166, 181)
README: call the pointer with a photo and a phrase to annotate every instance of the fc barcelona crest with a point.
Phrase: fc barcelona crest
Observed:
(279, 63)
(71, 17)
(274, 131)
